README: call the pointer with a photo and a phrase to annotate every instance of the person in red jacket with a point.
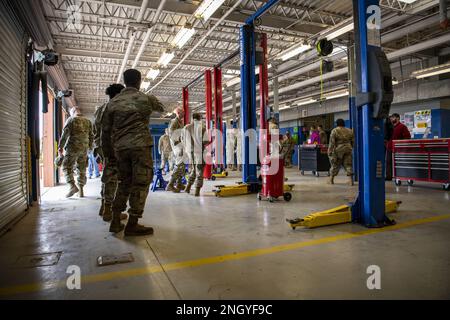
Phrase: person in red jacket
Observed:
(399, 132)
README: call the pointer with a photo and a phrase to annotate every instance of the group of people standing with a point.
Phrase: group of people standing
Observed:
(121, 139)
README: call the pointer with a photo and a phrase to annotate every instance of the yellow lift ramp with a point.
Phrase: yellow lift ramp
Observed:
(223, 174)
(240, 189)
(338, 215)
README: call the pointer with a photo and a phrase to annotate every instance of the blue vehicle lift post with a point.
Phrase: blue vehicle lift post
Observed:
(369, 207)
(248, 94)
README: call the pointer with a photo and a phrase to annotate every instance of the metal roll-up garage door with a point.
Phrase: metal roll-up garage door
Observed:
(13, 91)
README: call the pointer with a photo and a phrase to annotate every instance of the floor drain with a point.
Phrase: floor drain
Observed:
(39, 260)
(114, 259)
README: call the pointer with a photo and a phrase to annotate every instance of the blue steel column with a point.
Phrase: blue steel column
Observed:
(248, 100)
(353, 111)
(371, 198)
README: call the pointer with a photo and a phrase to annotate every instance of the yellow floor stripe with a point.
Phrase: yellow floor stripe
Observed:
(7, 291)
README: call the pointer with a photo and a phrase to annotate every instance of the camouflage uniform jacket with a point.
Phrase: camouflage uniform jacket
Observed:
(341, 140)
(98, 116)
(77, 134)
(164, 146)
(126, 121)
(175, 133)
(195, 140)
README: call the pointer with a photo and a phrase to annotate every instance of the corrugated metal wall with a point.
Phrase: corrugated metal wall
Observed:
(13, 97)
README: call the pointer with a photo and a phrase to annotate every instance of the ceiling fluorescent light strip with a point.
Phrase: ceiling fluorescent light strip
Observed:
(207, 9)
(183, 36)
(433, 71)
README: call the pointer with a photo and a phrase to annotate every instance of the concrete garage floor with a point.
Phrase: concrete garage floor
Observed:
(233, 248)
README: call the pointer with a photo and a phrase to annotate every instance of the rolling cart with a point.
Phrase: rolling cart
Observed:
(273, 184)
(422, 160)
(314, 158)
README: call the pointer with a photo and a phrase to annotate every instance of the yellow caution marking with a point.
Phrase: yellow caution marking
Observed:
(26, 288)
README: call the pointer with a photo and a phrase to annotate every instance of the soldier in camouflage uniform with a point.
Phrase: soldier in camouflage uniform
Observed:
(165, 149)
(195, 140)
(340, 151)
(286, 150)
(175, 132)
(109, 176)
(126, 135)
(76, 140)
(231, 146)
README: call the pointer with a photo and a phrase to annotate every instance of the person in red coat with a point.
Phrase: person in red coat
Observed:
(399, 132)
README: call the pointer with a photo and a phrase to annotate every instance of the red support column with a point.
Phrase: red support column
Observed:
(264, 137)
(185, 96)
(218, 115)
(207, 173)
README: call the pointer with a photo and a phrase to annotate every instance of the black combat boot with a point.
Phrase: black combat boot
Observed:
(135, 229)
(197, 192)
(116, 226)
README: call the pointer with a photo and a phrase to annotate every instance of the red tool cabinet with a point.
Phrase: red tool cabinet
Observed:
(422, 160)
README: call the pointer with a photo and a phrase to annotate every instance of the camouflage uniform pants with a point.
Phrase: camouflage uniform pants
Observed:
(342, 158)
(109, 180)
(196, 175)
(177, 174)
(165, 159)
(79, 160)
(135, 173)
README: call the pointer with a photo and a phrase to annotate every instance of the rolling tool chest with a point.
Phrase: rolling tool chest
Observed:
(314, 158)
(422, 160)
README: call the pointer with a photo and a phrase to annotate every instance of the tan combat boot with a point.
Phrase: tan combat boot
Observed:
(181, 187)
(350, 181)
(80, 192)
(72, 190)
(331, 180)
(116, 226)
(135, 229)
(102, 207)
(107, 214)
(170, 187)
(197, 192)
(188, 188)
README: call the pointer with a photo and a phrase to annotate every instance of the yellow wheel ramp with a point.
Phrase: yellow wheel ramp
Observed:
(338, 215)
(223, 174)
(240, 189)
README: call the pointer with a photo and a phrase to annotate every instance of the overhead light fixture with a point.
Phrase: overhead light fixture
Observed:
(293, 51)
(339, 32)
(336, 94)
(145, 85)
(433, 71)
(233, 81)
(183, 36)
(304, 101)
(395, 81)
(207, 9)
(166, 58)
(153, 74)
(408, 1)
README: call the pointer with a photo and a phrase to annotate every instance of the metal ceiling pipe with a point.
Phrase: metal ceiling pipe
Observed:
(443, 14)
(131, 41)
(197, 44)
(410, 28)
(149, 33)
